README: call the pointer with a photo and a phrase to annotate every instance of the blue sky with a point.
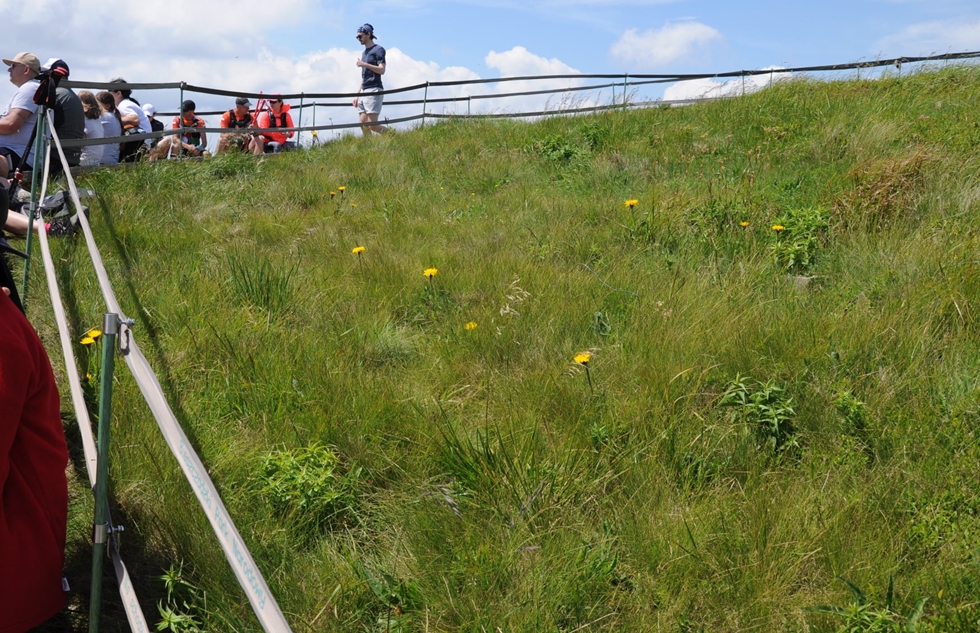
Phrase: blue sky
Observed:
(309, 45)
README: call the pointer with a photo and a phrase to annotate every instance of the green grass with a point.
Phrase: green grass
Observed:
(769, 410)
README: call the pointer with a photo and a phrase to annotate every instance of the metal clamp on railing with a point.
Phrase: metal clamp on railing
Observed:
(100, 533)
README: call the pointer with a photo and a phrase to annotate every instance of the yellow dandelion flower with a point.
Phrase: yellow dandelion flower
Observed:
(91, 336)
(315, 134)
(778, 227)
(583, 358)
(332, 194)
(631, 203)
(341, 188)
(353, 204)
(430, 272)
(357, 250)
(743, 224)
(471, 325)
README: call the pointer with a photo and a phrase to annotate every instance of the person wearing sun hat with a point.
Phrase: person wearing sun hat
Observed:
(372, 65)
(18, 118)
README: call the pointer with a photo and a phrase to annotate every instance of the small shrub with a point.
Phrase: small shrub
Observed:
(558, 149)
(861, 616)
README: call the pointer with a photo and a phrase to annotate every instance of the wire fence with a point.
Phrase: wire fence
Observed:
(539, 96)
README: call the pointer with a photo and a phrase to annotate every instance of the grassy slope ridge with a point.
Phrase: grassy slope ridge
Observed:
(769, 409)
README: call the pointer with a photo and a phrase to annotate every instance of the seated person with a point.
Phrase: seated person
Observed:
(191, 143)
(17, 120)
(277, 117)
(239, 118)
(92, 154)
(155, 125)
(69, 119)
(33, 485)
(112, 127)
(133, 120)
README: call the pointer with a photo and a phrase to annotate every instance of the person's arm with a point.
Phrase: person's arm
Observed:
(289, 123)
(375, 68)
(14, 120)
(204, 135)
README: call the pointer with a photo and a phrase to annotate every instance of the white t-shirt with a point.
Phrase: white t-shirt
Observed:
(127, 107)
(92, 154)
(23, 99)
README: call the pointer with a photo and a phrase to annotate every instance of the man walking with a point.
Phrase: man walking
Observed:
(372, 65)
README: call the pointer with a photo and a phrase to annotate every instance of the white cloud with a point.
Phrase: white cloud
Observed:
(710, 88)
(933, 37)
(656, 48)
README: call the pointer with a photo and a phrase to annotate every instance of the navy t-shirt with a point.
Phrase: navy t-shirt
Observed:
(375, 55)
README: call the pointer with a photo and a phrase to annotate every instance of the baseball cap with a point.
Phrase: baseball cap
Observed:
(28, 59)
(188, 105)
(149, 109)
(243, 101)
(366, 28)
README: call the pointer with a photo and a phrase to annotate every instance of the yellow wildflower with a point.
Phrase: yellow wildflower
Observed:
(91, 336)
(778, 227)
(332, 194)
(353, 204)
(743, 224)
(583, 358)
(357, 250)
(471, 325)
(341, 188)
(430, 272)
(632, 203)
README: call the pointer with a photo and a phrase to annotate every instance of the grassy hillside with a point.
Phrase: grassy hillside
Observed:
(783, 389)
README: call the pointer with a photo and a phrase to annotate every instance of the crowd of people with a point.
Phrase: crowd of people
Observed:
(33, 450)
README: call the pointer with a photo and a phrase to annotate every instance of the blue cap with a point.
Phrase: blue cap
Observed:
(366, 28)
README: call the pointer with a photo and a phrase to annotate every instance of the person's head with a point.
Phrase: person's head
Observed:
(276, 104)
(22, 68)
(365, 34)
(242, 105)
(149, 110)
(187, 109)
(89, 104)
(120, 93)
(107, 101)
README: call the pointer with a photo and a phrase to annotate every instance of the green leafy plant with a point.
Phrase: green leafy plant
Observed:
(798, 236)
(179, 614)
(861, 616)
(304, 486)
(768, 410)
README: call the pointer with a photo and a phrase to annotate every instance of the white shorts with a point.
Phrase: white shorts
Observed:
(368, 102)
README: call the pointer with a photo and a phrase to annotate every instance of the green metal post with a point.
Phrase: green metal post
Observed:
(300, 119)
(425, 99)
(100, 526)
(39, 142)
(626, 79)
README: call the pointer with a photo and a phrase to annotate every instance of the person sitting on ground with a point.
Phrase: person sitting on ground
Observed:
(157, 126)
(69, 119)
(92, 154)
(18, 119)
(190, 143)
(239, 118)
(33, 484)
(133, 119)
(273, 119)
(112, 126)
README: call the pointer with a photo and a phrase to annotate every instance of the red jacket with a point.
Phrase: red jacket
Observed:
(283, 120)
(33, 487)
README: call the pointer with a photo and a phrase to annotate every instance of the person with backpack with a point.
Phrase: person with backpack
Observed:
(239, 118)
(273, 119)
(195, 143)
